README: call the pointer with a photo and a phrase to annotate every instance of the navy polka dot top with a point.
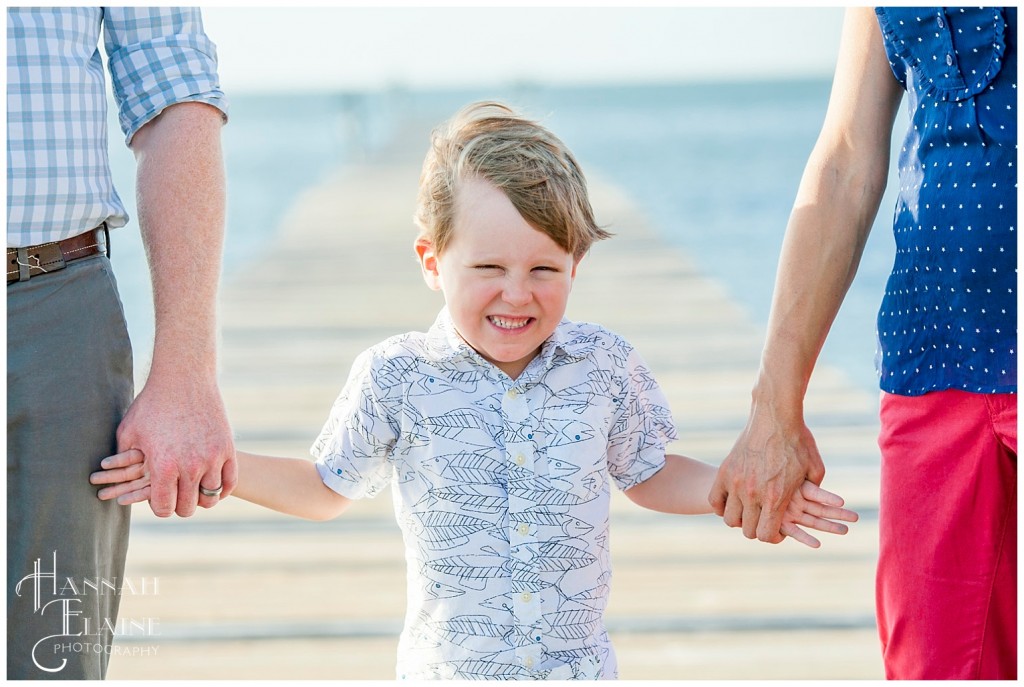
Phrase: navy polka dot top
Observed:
(948, 319)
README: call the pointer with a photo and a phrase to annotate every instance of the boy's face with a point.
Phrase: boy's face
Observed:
(506, 284)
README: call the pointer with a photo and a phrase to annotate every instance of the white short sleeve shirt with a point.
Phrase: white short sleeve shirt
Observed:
(501, 489)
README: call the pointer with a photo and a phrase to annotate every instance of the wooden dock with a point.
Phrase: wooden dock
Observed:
(249, 594)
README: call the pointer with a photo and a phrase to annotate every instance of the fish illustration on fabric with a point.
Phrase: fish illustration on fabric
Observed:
(349, 473)
(571, 526)
(461, 425)
(435, 589)
(575, 624)
(429, 383)
(501, 602)
(561, 469)
(591, 598)
(447, 530)
(585, 664)
(472, 467)
(412, 432)
(485, 669)
(593, 483)
(566, 432)
(525, 579)
(539, 490)
(553, 556)
(581, 397)
(472, 570)
(469, 498)
(461, 628)
(643, 380)
(395, 371)
(466, 381)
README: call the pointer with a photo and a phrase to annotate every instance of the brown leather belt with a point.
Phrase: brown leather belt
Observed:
(32, 261)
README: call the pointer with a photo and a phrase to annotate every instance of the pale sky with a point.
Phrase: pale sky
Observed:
(329, 48)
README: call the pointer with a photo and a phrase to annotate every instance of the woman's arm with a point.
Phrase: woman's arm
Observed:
(835, 206)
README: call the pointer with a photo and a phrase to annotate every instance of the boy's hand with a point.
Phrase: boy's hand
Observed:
(127, 474)
(816, 508)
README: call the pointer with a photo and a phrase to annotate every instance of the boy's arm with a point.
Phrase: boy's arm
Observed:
(287, 485)
(682, 486)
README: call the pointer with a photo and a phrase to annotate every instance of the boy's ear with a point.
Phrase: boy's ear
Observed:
(428, 262)
(575, 263)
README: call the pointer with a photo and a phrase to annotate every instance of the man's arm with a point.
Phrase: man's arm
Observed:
(178, 420)
(835, 207)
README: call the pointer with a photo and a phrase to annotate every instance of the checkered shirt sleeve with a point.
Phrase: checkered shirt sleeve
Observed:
(58, 176)
(158, 56)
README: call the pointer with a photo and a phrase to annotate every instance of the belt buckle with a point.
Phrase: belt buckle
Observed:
(27, 262)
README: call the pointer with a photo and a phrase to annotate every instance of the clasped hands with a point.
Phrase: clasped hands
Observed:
(126, 479)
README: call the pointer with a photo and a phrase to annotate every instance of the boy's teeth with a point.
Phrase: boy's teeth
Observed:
(509, 324)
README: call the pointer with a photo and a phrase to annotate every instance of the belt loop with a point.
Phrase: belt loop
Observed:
(23, 265)
(106, 238)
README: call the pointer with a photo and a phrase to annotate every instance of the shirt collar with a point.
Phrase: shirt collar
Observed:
(446, 345)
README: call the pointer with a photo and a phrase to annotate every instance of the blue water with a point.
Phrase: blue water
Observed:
(715, 167)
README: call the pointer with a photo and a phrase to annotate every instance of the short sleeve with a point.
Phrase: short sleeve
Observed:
(952, 54)
(353, 451)
(642, 425)
(158, 57)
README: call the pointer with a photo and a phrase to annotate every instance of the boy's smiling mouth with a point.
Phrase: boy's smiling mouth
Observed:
(509, 323)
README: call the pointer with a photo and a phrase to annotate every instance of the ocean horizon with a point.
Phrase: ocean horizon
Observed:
(713, 166)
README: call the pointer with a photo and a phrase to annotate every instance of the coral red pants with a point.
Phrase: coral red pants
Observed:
(946, 588)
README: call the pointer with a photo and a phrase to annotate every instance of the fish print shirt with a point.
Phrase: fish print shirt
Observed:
(501, 488)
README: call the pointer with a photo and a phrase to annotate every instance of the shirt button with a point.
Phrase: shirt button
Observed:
(512, 393)
(523, 529)
(527, 597)
(528, 662)
(942, 24)
(520, 460)
(949, 60)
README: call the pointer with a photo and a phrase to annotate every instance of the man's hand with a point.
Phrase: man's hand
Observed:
(759, 476)
(182, 429)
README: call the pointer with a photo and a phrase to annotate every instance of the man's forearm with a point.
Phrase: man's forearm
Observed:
(181, 204)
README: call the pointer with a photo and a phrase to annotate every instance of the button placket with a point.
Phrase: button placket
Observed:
(526, 603)
(531, 655)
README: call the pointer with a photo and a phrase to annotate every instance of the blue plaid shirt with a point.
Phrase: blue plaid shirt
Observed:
(58, 175)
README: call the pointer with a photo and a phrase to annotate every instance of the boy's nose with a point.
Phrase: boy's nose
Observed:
(516, 292)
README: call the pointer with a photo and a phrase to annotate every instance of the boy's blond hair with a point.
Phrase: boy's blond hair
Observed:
(529, 164)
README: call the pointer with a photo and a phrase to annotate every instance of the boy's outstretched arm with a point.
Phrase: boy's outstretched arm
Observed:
(682, 487)
(287, 485)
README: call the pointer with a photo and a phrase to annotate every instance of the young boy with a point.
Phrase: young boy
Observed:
(501, 428)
